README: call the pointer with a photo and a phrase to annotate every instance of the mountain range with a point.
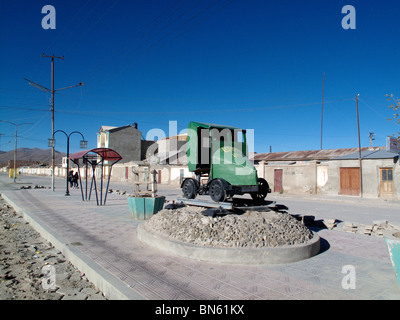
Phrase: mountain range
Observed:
(27, 154)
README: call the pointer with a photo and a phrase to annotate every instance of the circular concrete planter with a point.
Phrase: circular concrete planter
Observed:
(247, 256)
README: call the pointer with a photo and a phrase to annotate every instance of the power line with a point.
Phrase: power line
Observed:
(196, 111)
(22, 108)
(114, 3)
(370, 107)
(36, 124)
(122, 58)
(159, 40)
(213, 110)
(72, 24)
(130, 41)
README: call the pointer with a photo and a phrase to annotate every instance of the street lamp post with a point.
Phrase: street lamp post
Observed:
(15, 149)
(83, 145)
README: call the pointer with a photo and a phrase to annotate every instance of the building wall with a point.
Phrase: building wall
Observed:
(170, 145)
(296, 178)
(170, 174)
(178, 173)
(370, 176)
(310, 178)
(102, 139)
(127, 142)
(147, 146)
(324, 178)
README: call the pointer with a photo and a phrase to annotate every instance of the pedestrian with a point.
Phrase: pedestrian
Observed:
(76, 177)
(71, 178)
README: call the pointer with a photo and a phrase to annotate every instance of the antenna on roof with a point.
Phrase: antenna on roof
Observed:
(371, 137)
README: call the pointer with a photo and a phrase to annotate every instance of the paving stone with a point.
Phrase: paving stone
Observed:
(108, 237)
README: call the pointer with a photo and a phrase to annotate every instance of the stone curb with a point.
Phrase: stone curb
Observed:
(244, 256)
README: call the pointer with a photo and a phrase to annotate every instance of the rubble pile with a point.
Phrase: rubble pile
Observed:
(32, 269)
(251, 229)
(35, 187)
(378, 228)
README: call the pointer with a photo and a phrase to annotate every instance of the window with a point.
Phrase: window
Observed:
(387, 174)
(390, 174)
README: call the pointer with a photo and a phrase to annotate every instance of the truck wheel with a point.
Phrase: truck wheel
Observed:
(216, 191)
(263, 190)
(189, 189)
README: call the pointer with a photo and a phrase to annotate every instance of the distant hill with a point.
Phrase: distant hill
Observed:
(27, 154)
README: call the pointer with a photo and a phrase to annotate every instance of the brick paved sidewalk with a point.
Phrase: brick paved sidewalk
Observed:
(104, 239)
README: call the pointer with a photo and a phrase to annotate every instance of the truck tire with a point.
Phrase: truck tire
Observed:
(189, 188)
(262, 191)
(217, 191)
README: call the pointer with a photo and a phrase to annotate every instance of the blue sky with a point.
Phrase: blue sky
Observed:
(254, 64)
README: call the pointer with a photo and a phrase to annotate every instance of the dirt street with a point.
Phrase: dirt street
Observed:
(32, 269)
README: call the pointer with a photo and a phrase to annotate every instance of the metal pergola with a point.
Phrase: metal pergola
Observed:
(95, 157)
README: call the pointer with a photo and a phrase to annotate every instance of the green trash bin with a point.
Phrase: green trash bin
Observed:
(143, 208)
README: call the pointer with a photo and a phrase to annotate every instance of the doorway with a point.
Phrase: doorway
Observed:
(386, 182)
(350, 181)
(159, 177)
(278, 186)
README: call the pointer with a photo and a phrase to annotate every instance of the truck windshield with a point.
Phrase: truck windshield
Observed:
(223, 138)
(226, 135)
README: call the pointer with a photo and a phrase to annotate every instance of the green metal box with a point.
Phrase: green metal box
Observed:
(143, 208)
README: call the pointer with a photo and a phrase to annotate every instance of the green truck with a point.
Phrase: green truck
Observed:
(218, 156)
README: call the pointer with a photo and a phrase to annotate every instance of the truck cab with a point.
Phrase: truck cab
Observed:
(218, 155)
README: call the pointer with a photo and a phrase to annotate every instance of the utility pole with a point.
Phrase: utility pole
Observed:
(371, 137)
(15, 147)
(359, 148)
(1, 134)
(322, 111)
(52, 115)
(52, 91)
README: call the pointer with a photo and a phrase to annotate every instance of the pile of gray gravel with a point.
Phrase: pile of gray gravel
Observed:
(251, 229)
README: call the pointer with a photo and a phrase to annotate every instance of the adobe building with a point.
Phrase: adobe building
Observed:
(333, 172)
(126, 140)
(167, 156)
(380, 174)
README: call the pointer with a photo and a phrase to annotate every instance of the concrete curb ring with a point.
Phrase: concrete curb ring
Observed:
(245, 256)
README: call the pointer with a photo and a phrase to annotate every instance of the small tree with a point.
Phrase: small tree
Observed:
(395, 106)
